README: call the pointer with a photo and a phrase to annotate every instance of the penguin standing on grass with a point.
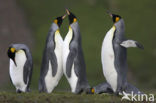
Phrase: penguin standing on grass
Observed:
(114, 60)
(21, 66)
(51, 69)
(73, 60)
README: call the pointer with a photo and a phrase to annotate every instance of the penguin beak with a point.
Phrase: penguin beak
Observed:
(63, 17)
(68, 12)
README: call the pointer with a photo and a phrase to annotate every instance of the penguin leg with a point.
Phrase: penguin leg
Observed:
(130, 88)
(42, 86)
(82, 87)
(27, 89)
(86, 88)
(131, 43)
(102, 88)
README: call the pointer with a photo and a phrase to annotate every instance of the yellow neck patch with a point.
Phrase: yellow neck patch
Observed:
(117, 19)
(13, 50)
(57, 31)
(114, 27)
(70, 27)
(55, 21)
(74, 20)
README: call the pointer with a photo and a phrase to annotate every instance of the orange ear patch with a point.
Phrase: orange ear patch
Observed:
(12, 50)
(55, 21)
(117, 19)
(74, 20)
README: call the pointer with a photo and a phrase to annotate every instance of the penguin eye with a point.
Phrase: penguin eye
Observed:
(117, 19)
(74, 20)
(12, 50)
(55, 21)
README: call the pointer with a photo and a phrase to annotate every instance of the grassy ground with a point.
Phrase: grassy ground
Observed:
(62, 97)
(57, 97)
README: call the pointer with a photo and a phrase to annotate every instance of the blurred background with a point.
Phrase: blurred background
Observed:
(28, 21)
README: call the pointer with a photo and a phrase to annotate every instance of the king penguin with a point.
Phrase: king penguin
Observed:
(73, 60)
(21, 66)
(114, 59)
(51, 69)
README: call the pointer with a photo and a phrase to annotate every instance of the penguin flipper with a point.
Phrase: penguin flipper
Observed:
(70, 61)
(53, 61)
(102, 88)
(130, 88)
(27, 73)
(131, 43)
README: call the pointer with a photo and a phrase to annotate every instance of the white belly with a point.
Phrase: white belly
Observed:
(73, 79)
(107, 53)
(50, 81)
(16, 73)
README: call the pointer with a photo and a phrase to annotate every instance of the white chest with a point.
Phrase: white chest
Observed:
(66, 44)
(16, 72)
(73, 79)
(51, 82)
(107, 56)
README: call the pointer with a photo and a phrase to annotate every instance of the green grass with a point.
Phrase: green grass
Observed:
(94, 22)
(57, 97)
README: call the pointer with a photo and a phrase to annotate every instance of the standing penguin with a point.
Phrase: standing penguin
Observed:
(21, 66)
(51, 69)
(114, 59)
(73, 60)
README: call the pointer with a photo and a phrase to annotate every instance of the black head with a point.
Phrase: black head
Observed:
(11, 53)
(72, 18)
(59, 20)
(114, 17)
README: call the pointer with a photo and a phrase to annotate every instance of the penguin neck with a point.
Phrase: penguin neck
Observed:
(57, 38)
(69, 36)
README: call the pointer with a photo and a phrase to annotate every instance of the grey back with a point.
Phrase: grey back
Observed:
(120, 54)
(79, 62)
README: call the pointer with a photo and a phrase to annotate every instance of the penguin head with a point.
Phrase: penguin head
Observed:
(11, 54)
(59, 20)
(114, 17)
(72, 18)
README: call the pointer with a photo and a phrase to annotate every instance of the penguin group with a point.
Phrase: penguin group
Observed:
(65, 57)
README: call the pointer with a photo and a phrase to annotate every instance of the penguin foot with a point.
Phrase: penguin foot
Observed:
(78, 91)
(130, 88)
(89, 91)
(28, 90)
(18, 91)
